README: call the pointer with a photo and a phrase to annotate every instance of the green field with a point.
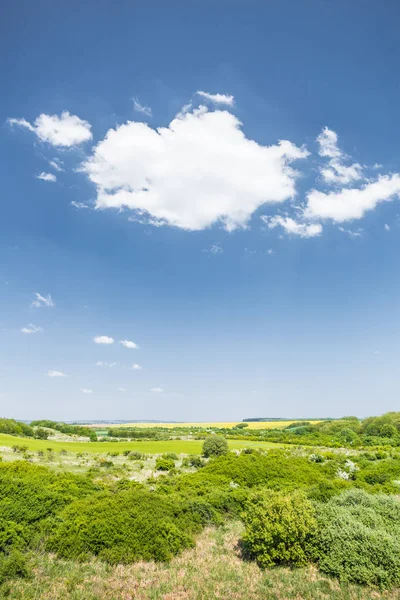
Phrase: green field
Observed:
(149, 447)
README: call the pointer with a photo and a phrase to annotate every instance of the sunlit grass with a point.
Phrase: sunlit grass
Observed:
(148, 447)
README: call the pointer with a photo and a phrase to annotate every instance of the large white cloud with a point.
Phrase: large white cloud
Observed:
(347, 204)
(198, 171)
(65, 130)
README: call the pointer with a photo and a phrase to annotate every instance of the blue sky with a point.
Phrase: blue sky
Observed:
(257, 278)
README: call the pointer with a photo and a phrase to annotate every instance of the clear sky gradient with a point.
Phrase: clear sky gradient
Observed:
(255, 278)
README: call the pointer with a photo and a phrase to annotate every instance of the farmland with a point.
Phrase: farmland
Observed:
(200, 424)
(150, 447)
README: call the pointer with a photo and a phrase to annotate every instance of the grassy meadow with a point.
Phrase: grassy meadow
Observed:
(148, 447)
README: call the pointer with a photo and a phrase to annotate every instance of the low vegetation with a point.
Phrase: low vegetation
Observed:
(331, 512)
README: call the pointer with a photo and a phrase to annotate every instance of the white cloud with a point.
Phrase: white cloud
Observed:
(214, 249)
(136, 367)
(199, 171)
(42, 301)
(218, 98)
(56, 163)
(86, 391)
(157, 390)
(65, 130)
(103, 339)
(46, 176)
(122, 390)
(79, 205)
(347, 204)
(31, 329)
(387, 227)
(351, 233)
(146, 110)
(55, 374)
(293, 227)
(270, 251)
(101, 363)
(129, 344)
(336, 172)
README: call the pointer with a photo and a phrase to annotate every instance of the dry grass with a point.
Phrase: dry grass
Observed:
(212, 570)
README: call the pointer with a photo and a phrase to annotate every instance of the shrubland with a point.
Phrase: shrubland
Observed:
(335, 510)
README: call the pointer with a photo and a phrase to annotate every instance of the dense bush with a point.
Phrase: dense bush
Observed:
(67, 428)
(29, 493)
(278, 527)
(13, 565)
(164, 464)
(215, 445)
(13, 427)
(358, 538)
(129, 526)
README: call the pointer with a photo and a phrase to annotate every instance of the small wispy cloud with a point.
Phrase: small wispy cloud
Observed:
(101, 363)
(121, 389)
(138, 107)
(56, 164)
(351, 233)
(129, 344)
(79, 205)
(103, 339)
(86, 391)
(387, 227)
(136, 367)
(270, 251)
(293, 227)
(51, 373)
(156, 390)
(213, 250)
(46, 176)
(42, 301)
(218, 98)
(31, 329)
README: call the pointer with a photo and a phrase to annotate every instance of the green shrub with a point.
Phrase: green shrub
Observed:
(128, 526)
(278, 527)
(136, 456)
(170, 455)
(41, 434)
(193, 461)
(13, 565)
(164, 464)
(358, 538)
(215, 445)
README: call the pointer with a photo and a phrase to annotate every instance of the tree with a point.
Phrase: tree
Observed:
(215, 445)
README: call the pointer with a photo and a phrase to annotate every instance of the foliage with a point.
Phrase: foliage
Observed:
(41, 434)
(129, 526)
(215, 445)
(66, 428)
(12, 427)
(278, 527)
(164, 464)
(13, 565)
(193, 461)
(358, 538)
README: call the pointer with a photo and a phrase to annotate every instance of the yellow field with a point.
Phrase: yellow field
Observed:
(216, 424)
